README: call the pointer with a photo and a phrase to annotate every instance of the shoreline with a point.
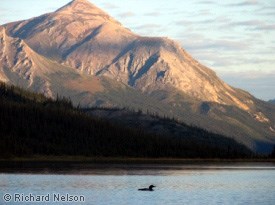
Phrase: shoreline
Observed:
(127, 160)
(87, 166)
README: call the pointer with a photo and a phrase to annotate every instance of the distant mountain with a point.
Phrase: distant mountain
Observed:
(272, 101)
(55, 128)
(80, 52)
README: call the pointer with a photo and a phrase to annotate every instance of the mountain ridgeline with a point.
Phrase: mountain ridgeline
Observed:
(32, 125)
(82, 53)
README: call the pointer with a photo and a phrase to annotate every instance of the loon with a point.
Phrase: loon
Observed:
(148, 189)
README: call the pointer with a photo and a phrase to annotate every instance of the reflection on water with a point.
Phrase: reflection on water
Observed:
(188, 184)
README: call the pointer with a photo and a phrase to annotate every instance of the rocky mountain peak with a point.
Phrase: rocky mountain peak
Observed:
(78, 5)
(82, 7)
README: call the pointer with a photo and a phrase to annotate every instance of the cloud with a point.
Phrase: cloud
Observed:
(204, 12)
(127, 14)
(218, 54)
(251, 24)
(259, 83)
(110, 6)
(148, 26)
(224, 53)
(266, 10)
(265, 27)
(227, 60)
(155, 13)
(245, 3)
(207, 2)
(3, 11)
(193, 24)
(250, 74)
(270, 13)
(218, 45)
(218, 22)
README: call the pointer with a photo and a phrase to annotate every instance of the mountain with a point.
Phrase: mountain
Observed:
(272, 101)
(80, 52)
(54, 124)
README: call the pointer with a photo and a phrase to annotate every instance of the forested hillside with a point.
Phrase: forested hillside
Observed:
(33, 125)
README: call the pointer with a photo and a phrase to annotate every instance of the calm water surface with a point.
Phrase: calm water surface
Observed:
(175, 184)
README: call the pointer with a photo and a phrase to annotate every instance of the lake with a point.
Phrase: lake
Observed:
(118, 184)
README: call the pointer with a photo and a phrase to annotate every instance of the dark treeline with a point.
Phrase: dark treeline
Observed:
(34, 125)
(272, 155)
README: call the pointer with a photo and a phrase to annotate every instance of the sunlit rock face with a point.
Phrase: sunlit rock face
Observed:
(84, 37)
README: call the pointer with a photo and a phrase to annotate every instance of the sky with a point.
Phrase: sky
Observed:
(234, 38)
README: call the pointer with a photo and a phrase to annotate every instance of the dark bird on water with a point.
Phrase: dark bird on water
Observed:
(148, 189)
